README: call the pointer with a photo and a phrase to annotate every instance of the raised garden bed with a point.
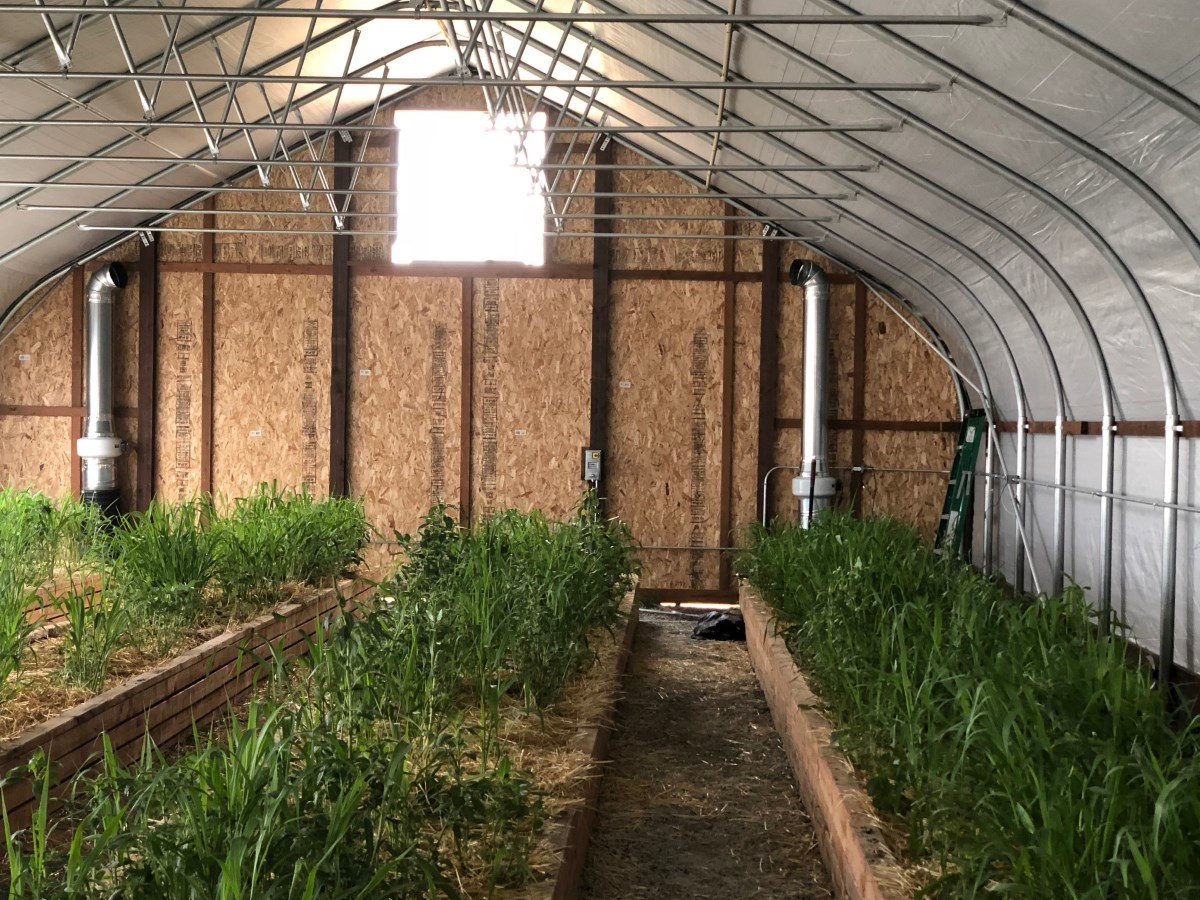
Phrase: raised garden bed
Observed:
(860, 863)
(168, 700)
(569, 842)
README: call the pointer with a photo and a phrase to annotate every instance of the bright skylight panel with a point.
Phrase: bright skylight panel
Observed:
(468, 191)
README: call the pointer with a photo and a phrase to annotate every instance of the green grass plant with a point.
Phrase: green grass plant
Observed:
(274, 536)
(97, 626)
(1021, 750)
(373, 769)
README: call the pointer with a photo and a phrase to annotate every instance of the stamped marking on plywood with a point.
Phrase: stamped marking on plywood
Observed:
(491, 392)
(24, 357)
(308, 403)
(699, 467)
(185, 343)
(438, 415)
(624, 384)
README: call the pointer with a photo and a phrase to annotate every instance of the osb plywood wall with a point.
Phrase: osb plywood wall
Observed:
(271, 382)
(664, 462)
(406, 397)
(521, 413)
(532, 352)
(177, 382)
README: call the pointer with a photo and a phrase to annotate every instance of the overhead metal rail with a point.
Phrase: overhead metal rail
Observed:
(176, 162)
(322, 127)
(471, 81)
(480, 16)
(382, 192)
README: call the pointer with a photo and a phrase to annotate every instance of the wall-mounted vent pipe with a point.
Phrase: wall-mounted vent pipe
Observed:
(99, 448)
(814, 488)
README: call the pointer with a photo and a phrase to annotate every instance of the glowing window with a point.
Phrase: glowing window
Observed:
(468, 190)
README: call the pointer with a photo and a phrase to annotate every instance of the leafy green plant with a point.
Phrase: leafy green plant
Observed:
(274, 536)
(1022, 751)
(97, 625)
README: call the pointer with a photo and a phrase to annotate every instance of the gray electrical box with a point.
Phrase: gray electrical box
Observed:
(592, 461)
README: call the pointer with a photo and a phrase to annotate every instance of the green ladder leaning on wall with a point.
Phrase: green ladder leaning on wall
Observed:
(955, 509)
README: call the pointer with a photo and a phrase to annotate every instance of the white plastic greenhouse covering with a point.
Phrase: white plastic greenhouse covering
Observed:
(1024, 173)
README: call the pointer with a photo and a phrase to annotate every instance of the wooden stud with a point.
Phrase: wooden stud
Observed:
(948, 427)
(77, 326)
(858, 437)
(768, 380)
(728, 334)
(465, 410)
(339, 343)
(208, 331)
(147, 361)
(601, 374)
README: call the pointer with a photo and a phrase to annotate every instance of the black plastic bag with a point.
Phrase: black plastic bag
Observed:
(722, 625)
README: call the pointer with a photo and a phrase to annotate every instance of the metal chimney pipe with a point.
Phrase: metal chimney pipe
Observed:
(99, 448)
(814, 488)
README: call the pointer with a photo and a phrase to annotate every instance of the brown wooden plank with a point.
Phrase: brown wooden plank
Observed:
(768, 377)
(860, 864)
(876, 425)
(14, 409)
(728, 335)
(576, 271)
(572, 844)
(165, 701)
(77, 327)
(467, 369)
(208, 302)
(210, 267)
(339, 344)
(601, 369)
(147, 359)
(722, 275)
(858, 405)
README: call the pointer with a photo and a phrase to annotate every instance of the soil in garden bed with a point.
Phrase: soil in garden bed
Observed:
(700, 801)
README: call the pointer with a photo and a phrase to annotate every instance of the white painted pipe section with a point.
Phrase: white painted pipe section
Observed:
(814, 488)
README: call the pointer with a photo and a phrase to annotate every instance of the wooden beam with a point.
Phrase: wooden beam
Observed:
(467, 400)
(571, 271)
(601, 369)
(242, 268)
(728, 335)
(768, 372)
(77, 326)
(858, 406)
(554, 271)
(208, 302)
(339, 340)
(876, 425)
(147, 365)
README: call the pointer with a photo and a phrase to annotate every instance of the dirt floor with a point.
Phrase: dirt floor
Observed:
(700, 801)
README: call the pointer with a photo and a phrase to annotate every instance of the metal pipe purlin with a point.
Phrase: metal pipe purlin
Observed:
(1166, 647)
(1107, 465)
(1019, 505)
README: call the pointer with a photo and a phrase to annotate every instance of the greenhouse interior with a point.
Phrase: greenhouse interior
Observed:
(572, 448)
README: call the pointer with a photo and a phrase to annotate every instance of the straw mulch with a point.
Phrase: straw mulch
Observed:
(700, 801)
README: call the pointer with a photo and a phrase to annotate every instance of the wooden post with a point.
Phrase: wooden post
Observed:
(768, 376)
(77, 325)
(465, 410)
(858, 436)
(147, 364)
(601, 374)
(728, 325)
(339, 343)
(207, 347)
